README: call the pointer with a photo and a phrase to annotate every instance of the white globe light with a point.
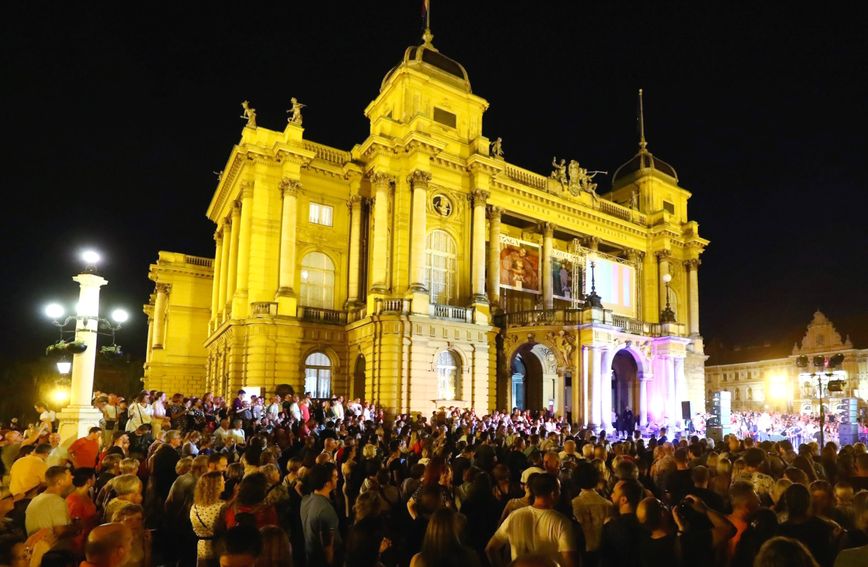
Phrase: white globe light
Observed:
(64, 366)
(304, 275)
(91, 257)
(667, 278)
(120, 316)
(54, 311)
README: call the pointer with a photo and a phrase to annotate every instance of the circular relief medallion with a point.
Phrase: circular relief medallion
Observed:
(442, 205)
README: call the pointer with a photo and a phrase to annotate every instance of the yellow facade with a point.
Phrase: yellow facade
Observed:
(360, 269)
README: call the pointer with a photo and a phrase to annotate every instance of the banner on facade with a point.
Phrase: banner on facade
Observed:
(563, 269)
(615, 283)
(519, 264)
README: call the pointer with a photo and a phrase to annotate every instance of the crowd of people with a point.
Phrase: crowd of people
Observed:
(290, 480)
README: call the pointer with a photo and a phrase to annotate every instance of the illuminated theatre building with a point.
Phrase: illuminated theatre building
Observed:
(420, 269)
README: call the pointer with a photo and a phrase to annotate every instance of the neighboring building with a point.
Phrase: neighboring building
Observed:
(767, 377)
(420, 269)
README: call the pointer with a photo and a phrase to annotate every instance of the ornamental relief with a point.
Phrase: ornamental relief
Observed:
(441, 200)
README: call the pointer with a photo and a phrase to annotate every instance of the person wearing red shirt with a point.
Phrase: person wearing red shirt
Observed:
(84, 451)
(80, 506)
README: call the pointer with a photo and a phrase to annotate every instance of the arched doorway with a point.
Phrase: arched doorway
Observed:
(625, 382)
(359, 378)
(534, 378)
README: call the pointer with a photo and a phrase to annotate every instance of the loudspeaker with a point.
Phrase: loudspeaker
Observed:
(715, 432)
(848, 434)
(685, 410)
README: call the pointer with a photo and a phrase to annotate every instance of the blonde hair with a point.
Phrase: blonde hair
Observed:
(130, 466)
(208, 489)
(127, 484)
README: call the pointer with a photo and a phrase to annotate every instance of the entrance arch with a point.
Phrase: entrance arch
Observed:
(534, 378)
(359, 377)
(625, 382)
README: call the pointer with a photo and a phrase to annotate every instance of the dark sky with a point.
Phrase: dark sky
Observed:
(114, 121)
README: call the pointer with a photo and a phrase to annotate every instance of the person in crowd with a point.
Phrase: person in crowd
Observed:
(319, 519)
(58, 456)
(249, 505)
(204, 515)
(537, 529)
(48, 509)
(745, 503)
(108, 545)
(657, 542)
(80, 506)
(622, 532)
(590, 510)
(242, 546)
(442, 545)
(133, 516)
(29, 471)
(784, 552)
(820, 536)
(140, 412)
(128, 490)
(84, 451)
(276, 549)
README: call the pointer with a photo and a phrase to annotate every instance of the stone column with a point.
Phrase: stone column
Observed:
(240, 305)
(80, 415)
(289, 188)
(586, 363)
(494, 255)
(643, 402)
(380, 250)
(662, 269)
(692, 267)
(418, 230)
(547, 230)
(232, 277)
(478, 255)
(596, 386)
(160, 307)
(606, 388)
(680, 384)
(215, 282)
(355, 205)
(225, 268)
(150, 338)
(671, 401)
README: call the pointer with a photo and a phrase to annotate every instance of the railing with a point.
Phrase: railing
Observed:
(621, 211)
(632, 326)
(393, 305)
(318, 315)
(263, 309)
(357, 314)
(452, 312)
(527, 177)
(199, 261)
(326, 153)
(544, 317)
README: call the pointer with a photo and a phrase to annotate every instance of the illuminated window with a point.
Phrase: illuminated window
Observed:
(750, 393)
(447, 376)
(441, 261)
(317, 281)
(321, 214)
(318, 375)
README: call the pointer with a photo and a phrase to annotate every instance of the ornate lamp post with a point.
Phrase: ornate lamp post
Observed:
(80, 415)
(822, 367)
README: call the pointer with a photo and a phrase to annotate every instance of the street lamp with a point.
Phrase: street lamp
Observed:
(667, 315)
(822, 367)
(80, 415)
(594, 300)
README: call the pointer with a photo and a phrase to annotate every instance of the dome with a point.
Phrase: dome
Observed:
(643, 160)
(426, 59)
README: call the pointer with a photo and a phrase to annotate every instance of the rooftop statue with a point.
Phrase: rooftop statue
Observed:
(295, 111)
(249, 114)
(497, 148)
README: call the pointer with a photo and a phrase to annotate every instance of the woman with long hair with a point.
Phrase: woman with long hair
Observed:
(441, 546)
(249, 505)
(204, 515)
(438, 475)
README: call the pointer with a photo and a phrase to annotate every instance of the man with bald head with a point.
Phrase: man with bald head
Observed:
(657, 543)
(108, 545)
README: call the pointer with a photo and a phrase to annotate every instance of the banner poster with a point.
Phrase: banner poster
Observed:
(562, 268)
(519, 264)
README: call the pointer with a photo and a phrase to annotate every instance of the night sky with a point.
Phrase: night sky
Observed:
(114, 122)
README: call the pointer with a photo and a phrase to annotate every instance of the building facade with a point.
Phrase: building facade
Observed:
(767, 377)
(421, 269)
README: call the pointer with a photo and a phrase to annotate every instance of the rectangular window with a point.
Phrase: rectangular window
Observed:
(669, 207)
(444, 117)
(321, 214)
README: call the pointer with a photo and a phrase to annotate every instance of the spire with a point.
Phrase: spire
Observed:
(643, 145)
(427, 36)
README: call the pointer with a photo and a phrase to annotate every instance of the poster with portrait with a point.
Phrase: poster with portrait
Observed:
(562, 268)
(519, 265)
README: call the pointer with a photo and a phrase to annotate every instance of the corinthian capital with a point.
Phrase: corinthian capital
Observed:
(494, 212)
(419, 179)
(546, 228)
(290, 186)
(692, 264)
(479, 196)
(163, 288)
(662, 255)
(379, 179)
(246, 189)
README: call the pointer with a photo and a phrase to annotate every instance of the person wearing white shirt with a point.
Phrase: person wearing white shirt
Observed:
(140, 412)
(273, 409)
(338, 408)
(294, 410)
(237, 433)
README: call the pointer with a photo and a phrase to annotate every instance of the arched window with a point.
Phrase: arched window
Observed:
(317, 281)
(318, 375)
(441, 262)
(447, 376)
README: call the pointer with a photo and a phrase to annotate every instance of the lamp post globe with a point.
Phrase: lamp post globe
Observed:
(120, 316)
(90, 257)
(54, 311)
(64, 366)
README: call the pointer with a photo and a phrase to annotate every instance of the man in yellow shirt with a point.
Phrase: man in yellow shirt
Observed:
(28, 472)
